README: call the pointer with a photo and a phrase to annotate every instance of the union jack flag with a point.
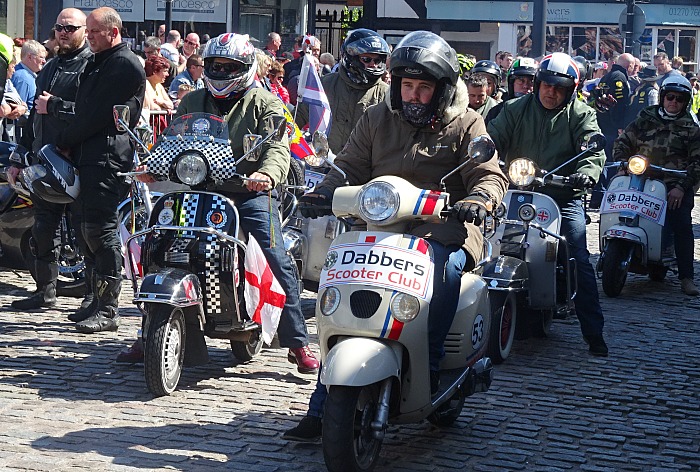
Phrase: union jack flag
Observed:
(311, 92)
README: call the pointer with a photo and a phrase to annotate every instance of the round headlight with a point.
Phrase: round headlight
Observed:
(329, 301)
(379, 201)
(191, 169)
(522, 172)
(637, 165)
(527, 212)
(404, 307)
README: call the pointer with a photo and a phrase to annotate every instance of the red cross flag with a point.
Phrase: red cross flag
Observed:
(264, 296)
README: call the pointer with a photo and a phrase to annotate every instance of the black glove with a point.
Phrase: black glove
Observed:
(472, 209)
(580, 181)
(315, 204)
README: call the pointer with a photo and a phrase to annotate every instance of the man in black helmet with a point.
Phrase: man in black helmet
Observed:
(356, 86)
(425, 129)
(549, 126)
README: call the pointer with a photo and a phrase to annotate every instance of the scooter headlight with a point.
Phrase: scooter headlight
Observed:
(329, 301)
(522, 172)
(379, 202)
(404, 307)
(637, 165)
(191, 168)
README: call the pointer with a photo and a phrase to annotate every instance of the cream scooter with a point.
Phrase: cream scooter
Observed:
(372, 316)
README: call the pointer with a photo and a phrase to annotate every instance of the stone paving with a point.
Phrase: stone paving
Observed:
(65, 405)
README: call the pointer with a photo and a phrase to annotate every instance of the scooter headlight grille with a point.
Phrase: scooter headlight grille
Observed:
(364, 303)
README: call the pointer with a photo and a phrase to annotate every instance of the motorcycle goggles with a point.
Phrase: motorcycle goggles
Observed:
(224, 70)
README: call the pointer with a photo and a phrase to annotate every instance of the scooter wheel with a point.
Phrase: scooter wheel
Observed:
(164, 353)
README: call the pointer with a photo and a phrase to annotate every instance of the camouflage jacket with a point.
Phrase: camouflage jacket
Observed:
(672, 144)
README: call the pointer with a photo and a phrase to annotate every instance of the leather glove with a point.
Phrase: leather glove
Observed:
(315, 204)
(472, 209)
(580, 181)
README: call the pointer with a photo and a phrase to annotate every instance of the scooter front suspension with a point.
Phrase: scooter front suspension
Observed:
(379, 424)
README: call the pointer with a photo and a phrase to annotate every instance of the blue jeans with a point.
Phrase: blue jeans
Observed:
(680, 223)
(255, 217)
(450, 262)
(587, 303)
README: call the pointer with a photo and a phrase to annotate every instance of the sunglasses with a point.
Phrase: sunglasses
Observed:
(191, 43)
(369, 60)
(225, 67)
(67, 28)
(672, 97)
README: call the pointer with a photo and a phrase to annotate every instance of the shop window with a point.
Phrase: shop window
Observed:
(610, 43)
(583, 42)
(557, 39)
(687, 48)
(666, 42)
(524, 41)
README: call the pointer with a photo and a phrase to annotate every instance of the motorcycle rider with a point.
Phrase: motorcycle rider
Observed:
(520, 80)
(230, 68)
(549, 126)
(492, 72)
(420, 133)
(668, 136)
(100, 151)
(56, 85)
(356, 86)
(479, 101)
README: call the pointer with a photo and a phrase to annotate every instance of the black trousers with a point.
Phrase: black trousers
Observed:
(101, 191)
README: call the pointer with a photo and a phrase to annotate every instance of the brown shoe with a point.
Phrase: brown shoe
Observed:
(133, 355)
(688, 287)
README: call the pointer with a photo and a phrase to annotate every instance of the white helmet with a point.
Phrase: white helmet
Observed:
(225, 80)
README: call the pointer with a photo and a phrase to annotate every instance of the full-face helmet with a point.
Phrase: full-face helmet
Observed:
(491, 71)
(522, 67)
(558, 69)
(53, 179)
(363, 41)
(425, 55)
(583, 70)
(226, 80)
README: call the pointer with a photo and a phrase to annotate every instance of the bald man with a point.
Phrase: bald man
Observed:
(100, 152)
(56, 88)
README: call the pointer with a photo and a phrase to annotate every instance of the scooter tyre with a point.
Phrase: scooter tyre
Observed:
(657, 273)
(614, 275)
(246, 350)
(348, 442)
(164, 349)
(503, 324)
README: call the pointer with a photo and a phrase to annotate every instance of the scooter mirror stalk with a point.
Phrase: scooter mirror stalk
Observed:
(481, 149)
(250, 143)
(593, 142)
(122, 115)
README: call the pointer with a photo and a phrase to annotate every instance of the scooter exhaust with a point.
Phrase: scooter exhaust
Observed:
(481, 378)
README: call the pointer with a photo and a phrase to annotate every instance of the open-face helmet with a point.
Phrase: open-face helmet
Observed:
(522, 67)
(558, 69)
(226, 80)
(678, 84)
(424, 55)
(363, 41)
(53, 179)
(492, 72)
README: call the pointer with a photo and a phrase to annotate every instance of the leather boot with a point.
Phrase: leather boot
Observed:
(89, 303)
(106, 315)
(45, 295)
(132, 355)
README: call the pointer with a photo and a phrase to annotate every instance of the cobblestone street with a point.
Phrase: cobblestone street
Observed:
(66, 405)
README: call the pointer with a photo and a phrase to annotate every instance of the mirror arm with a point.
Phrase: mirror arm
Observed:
(566, 163)
(456, 169)
(135, 138)
(260, 143)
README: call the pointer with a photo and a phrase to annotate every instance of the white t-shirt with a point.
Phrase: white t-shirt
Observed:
(168, 51)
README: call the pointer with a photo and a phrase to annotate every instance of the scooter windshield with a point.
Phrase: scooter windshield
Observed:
(198, 126)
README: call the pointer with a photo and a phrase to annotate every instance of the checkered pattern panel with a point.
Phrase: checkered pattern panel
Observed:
(212, 264)
(218, 153)
(179, 245)
(188, 216)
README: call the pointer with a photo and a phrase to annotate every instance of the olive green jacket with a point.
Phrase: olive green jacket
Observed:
(524, 128)
(251, 114)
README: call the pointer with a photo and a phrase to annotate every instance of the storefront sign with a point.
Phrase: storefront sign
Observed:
(129, 10)
(211, 11)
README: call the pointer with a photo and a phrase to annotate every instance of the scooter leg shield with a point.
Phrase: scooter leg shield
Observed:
(360, 361)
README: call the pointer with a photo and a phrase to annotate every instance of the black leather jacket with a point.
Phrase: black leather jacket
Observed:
(113, 77)
(59, 77)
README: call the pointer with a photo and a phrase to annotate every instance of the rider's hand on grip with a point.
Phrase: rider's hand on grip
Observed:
(580, 181)
(472, 209)
(315, 205)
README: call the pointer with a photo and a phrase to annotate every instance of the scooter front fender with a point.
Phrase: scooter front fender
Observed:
(356, 362)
